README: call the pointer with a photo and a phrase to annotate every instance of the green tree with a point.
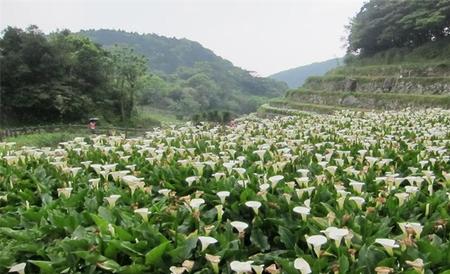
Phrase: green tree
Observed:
(385, 24)
(128, 75)
(83, 75)
(155, 90)
(48, 79)
(27, 65)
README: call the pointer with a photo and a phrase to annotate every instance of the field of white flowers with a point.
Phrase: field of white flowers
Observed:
(343, 193)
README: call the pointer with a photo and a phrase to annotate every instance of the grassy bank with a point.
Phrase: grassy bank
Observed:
(148, 113)
(47, 139)
(146, 117)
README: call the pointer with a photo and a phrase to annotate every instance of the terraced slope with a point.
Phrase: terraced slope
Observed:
(383, 87)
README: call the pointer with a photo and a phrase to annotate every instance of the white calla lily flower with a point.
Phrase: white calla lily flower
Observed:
(143, 212)
(255, 205)
(241, 267)
(316, 242)
(196, 203)
(112, 199)
(302, 265)
(388, 245)
(223, 195)
(206, 241)
(240, 226)
(19, 268)
(275, 179)
(303, 211)
(65, 191)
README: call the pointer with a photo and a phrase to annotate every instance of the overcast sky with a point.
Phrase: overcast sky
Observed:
(264, 36)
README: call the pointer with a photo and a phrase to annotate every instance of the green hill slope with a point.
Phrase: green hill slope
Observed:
(189, 78)
(398, 56)
(185, 58)
(165, 54)
(389, 80)
(295, 77)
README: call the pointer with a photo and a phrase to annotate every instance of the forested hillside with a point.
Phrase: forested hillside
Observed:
(68, 77)
(64, 77)
(190, 78)
(382, 25)
(165, 55)
(295, 77)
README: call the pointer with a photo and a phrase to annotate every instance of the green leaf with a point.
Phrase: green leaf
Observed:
(123, 234)
(90, 257)
(20, 235)
(101, 223)
(109, 265)
(247, 195)
(32, 215)
(126, 246)
(105, 213)
(155, 255)
(286, 237)
(286, 266)
(111, 250)
(435, 254)
(184, 249)
(369, 257)
(45, 266)
(387, 262)
(259, 239)
(343, 264)
(133, 269)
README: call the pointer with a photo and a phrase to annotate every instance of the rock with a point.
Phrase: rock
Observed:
(350, 84)
(350, 101)
(388, 84)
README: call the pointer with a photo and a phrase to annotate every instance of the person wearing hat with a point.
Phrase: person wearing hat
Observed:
(93, 125)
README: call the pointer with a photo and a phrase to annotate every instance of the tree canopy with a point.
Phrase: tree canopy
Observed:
(385, 24)
(63, 77)
(127, 77)
(67, 77)
(189, 78)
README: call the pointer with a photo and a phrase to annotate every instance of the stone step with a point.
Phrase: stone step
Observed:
(285, 107)
(411, 85)
(440, 69)
(365, 100)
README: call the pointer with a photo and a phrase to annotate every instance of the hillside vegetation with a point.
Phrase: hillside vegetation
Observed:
(64, 78)
(382, 75)
(295, 77)
(383, 25)
(69, 77)
(165, 55)
(188, 78)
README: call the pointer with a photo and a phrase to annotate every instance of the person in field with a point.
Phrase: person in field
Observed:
(93, 125)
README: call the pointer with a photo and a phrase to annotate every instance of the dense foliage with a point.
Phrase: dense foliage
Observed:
(345, 193)
(188, 78)
(165, 54)
(64, 77)
(385, 24)
(428, 54)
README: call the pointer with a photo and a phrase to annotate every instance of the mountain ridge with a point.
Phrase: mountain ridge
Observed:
(196, 79)
(157, 48)
(296, 77)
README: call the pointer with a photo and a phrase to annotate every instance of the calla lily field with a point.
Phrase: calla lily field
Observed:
(349, 192)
